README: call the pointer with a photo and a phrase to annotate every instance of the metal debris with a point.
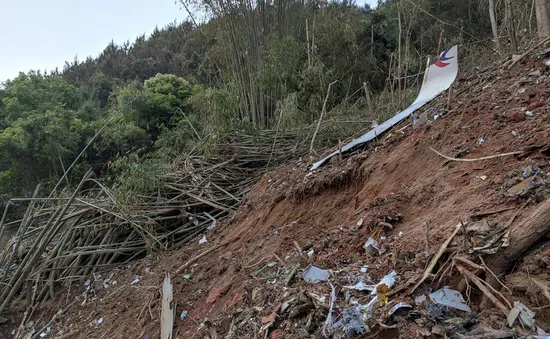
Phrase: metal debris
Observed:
(397, 306)
(388, 280)
(351, 321)
(314, 274)
(451, 298)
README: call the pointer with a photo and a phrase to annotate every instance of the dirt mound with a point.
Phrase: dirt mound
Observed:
(399, 192)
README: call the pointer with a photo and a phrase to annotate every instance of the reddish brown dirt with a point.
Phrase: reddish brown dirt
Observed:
(398, 180)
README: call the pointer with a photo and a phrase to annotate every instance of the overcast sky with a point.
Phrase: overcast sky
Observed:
(39, 35)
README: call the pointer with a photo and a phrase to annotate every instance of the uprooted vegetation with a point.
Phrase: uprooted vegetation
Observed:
(414, 236)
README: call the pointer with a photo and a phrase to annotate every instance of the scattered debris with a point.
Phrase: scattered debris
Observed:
(526, 315)
(388, 280)
(435, 259)
(329, 322)
(203, 240)
(361, 286)
(314, 274)
(451, 298)
(267, 321)
(183, 314)
(524, 187)
(351, 321)
(136, 280)
(100, 321)
(397, 306)
(371, 247)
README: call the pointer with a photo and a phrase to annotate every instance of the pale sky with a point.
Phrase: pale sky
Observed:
(39, 35)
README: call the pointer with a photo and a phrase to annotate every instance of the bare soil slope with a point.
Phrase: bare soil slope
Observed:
(250, 282)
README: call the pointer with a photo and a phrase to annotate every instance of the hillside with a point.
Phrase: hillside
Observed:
(246, 280)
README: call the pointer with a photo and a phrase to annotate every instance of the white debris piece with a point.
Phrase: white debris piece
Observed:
(388, 279)
(100, 321)
(451, 298)
(360, 286)
(136, 280)
(203, 240)
(397, 306)
(314, 274)
(183, 314)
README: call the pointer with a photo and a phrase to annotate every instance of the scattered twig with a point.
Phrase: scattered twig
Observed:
(474, 279)
(194, 259)
(528, 52)
(476, 159)
(435, 259)
(298, 248)
(488, 213)
(258, 262)
(494, 275)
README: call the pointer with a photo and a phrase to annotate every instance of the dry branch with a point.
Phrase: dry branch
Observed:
(476, 159)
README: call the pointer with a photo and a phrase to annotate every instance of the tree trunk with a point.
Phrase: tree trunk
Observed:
(543, 22)
(510, 27)
(494, 26)
(522, 237)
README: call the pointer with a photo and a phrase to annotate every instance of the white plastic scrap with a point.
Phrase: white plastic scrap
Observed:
(451, 298)
(183, 314)
(100, 321)
(364, 269)
(203, 240)
(314, 274)
(136, 280)
(310, 253)
(13, 332)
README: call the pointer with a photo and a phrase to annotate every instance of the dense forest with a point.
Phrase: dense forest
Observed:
(253, 65)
